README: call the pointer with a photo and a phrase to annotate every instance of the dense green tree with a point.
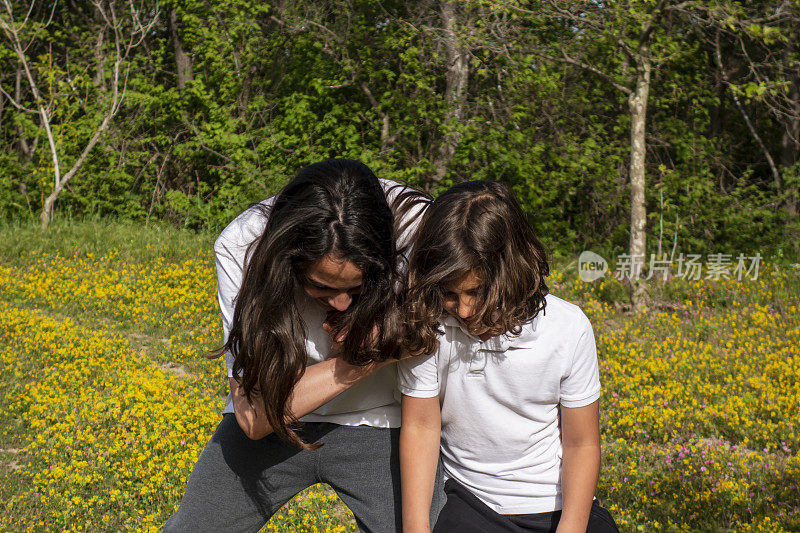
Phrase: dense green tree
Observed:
(224, 101)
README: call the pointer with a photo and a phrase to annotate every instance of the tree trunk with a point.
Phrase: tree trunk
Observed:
(455, 95)
(25, 148)
(183, 64)
(99, 79)
(60, 183)
(123, 45)
(790, 143)
(47, 212)
(718, 111)
(637, 103)
(386, 139)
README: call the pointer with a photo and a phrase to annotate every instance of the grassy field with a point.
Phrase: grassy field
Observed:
(107, 399)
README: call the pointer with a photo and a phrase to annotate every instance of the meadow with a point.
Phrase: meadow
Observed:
(107, 397)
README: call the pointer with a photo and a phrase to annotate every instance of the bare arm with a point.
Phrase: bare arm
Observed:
(420, 431)
(580, 465)
(320, 383)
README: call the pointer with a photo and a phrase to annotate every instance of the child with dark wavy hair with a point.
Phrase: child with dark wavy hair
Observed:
(510, 385)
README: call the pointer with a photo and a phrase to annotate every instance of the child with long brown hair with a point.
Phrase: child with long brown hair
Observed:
(308, 288)
(510, 385)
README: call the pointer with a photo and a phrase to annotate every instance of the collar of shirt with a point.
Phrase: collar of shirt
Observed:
(500, 343)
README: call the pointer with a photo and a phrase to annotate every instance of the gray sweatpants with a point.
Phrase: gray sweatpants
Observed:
(238, 484)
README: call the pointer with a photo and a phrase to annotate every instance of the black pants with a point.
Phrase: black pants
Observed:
(465, 513)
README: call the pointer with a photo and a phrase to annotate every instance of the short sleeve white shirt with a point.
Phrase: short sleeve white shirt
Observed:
(500, 402)
(372, 401)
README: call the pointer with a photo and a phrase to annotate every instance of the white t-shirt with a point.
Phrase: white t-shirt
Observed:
(372, 401)
(500, 404)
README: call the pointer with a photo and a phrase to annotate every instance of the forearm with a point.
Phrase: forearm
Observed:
(419, 456)
(580, 468)
(580, 465)
(319, 384)
(324, 381)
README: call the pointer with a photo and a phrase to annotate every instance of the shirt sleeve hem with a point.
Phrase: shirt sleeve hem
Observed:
(580, 402)
(419, 393)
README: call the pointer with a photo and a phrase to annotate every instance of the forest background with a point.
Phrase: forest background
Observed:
(683, 115)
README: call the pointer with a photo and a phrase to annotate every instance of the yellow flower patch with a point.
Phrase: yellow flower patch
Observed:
(107, 398)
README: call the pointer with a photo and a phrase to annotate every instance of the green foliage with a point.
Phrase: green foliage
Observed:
(275, 87)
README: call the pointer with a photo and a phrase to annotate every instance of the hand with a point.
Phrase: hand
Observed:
(339, 333)
(352, 372)
(336, 333)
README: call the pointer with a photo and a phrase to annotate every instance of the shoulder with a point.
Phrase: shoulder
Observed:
(245, 228)
(398, 194)
(564, 315)
(562, 323)
(392, 188)
(407, 205)
(574, 330)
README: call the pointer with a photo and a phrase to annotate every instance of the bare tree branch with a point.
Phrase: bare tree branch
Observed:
(718, 58)
(15, 103)
(572, 61)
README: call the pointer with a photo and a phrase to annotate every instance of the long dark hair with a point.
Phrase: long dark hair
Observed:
(474, 226)
(335, 207)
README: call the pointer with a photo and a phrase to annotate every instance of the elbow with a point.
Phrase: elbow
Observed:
(254, 429)
(251, 417)
(255, 432)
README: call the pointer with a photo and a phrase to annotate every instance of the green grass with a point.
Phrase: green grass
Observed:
(136, 243)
